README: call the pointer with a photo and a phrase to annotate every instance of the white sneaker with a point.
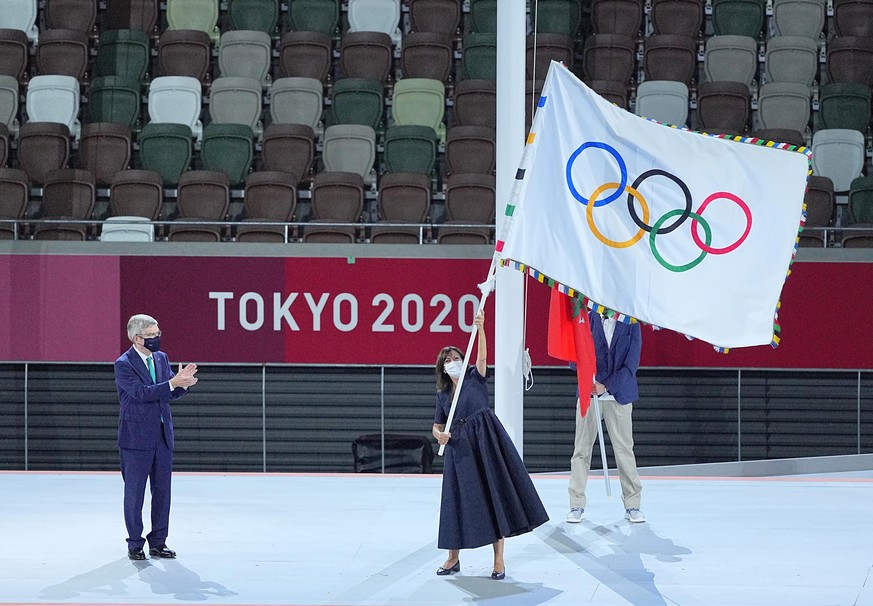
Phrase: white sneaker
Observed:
(634, 516)
(575, 515)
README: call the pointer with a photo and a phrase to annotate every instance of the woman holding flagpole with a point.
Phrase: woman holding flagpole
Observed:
(487, 493)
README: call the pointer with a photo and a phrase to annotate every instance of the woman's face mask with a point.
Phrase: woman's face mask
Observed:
(453, 368)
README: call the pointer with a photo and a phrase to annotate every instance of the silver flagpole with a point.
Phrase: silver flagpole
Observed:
(602, 444)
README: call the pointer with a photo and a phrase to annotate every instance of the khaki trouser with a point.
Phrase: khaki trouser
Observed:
(620, 428)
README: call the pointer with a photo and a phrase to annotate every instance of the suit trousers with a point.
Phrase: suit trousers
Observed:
(154, 465)
(619, 424)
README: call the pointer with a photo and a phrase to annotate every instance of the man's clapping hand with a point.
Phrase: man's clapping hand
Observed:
(185, 377)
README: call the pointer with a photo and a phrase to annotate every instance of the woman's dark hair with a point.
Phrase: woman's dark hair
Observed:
(443, 381)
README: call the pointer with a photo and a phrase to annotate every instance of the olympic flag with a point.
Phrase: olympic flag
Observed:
(677, 229)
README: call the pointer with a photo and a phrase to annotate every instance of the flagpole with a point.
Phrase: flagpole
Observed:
(486, 290)
(602, 445)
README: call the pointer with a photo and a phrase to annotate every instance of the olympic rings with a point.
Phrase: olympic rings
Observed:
(740, 240)
(632, 193)
(622, 168)
(657, 228)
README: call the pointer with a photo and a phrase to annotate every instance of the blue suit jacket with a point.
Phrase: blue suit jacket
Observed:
(617, 365)
(144, 403)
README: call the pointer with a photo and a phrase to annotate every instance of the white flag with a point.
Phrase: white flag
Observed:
(677, 229)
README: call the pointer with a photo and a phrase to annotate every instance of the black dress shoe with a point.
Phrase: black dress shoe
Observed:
(498, 576)
(136, 554)
(444, 571)
(162, 552)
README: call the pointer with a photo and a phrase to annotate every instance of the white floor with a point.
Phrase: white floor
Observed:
(370, 539)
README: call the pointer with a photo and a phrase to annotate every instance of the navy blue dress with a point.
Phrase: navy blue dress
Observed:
(487, 491)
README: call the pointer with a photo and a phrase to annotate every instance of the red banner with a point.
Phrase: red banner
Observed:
(359, 311)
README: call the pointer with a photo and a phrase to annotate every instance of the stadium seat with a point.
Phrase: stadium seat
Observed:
(228, 148)
(410, 149)
(549, 47)
(305, 55)
(68, 193)
(860, 214)
(665, 101)
(470, 149)
(723, 107)
(140, 15)
(115, 99)
(54, 99)
(137, 193)
(123, 52)
(4, 144)
(166, 149)
(738, 17)
(479, 58)
(104, 150)
(79, 15)
(622, 17)
(784, 105)
(314, 15)
(269, 196)
(375, 16)
(850, 59)
(819, 200)
(798, 17)
(681, 17)
(781, 135)
(731, 59)
(420, 101)
(185, 52)
(357, 101)
(194, 14)
(14, 53)
(427, 55)
(853, 18)
(469, 200)
(838, 153)
(403, 198)
(297, 101)
(203, 195)
(21, 15)
(127, 229)
(670, 57)
(253, 15)
(42, 147)
(350, 148)
(438, 16)
(337, 197)
(288, 148)
(609, 57)
(176, 99)
(791, 59)
(62, 52)
(612, 91)
(9, 103)
(845, 105)
(245, 54)
(14, 196)
(475, 103)
(482, 17)
(236, 101)
(558, 17)
(366, 54)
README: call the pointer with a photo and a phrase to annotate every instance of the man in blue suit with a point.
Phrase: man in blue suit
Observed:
(617, 347)
(146, 384)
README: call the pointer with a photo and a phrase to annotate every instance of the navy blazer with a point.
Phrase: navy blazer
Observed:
(617, 365)
(144, 403)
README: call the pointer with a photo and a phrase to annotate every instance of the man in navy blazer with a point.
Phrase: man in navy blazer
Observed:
(617, 346)
(146, 384)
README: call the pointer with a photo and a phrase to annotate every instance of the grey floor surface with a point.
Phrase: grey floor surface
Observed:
(371, 539)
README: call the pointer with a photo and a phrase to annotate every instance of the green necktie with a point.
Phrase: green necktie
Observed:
(151, 364)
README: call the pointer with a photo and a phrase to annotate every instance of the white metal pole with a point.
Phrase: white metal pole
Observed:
(509, 298)
(597, 415)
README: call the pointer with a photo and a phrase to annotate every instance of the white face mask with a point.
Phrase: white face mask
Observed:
(453, 368)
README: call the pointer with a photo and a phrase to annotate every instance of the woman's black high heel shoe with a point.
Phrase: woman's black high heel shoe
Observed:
(498, 576)
(444, 571)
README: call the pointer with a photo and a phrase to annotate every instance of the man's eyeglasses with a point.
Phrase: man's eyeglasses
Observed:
(157, 334)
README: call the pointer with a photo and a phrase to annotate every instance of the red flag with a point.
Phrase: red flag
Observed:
(570, 340)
